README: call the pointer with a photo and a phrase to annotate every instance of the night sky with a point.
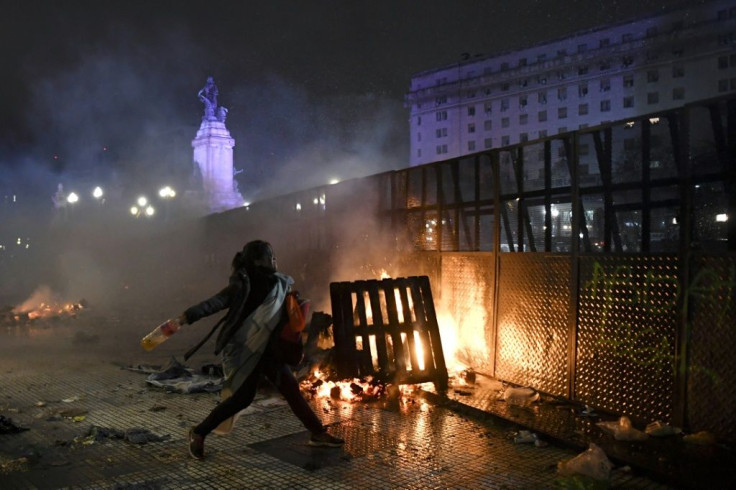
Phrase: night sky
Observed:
(96, 90)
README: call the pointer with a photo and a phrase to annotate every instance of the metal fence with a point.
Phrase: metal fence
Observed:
(597, 265)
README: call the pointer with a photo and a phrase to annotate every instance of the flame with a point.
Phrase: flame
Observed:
(43, 304)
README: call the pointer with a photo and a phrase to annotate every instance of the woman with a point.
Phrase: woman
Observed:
(248, 342)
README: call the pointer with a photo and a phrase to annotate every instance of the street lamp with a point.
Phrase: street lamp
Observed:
(97, 193)
(72, 198)
(167, 193)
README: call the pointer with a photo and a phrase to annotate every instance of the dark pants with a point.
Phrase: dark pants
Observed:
(282, 378)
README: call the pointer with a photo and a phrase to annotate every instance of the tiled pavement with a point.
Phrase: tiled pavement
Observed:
(50, 376)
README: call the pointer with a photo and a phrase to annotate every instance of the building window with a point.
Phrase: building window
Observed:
(471, 128)
(652, 97)
(505, 141)
(488, 143)
(523, 118)
(583, 149)
(583, 89)
(627, 61)
(722, 62)
(629, 102)
(605, 85)
(523, 100)
(488, 107)
(560, 75)
(582, 109)
(523, 83)
(606, 65)
(678, 93)
(561, 53)
(522, 62)
(419, 120)
(441, 115)
(504, 105)
(562, 93)
(441, 149)
(652, 76)
(542, 80)
(605, 105)
(678, 71)
(471, 110)
(505, 122)
(582, 48)
(505, 87)
(583, 70)
(470, 94)
(419, 153)
(542, 133)
(487, 125)
(628, 81)
(524, 137)
(723, 85)
(542, 97)
(562, 113)
(471, 145)
(440, 132)
(542, 116)
(604, 42)
(560, 130)
(442, 99)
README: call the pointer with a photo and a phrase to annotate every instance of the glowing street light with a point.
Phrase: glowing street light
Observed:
(97, 193)
(150, 211)
(72, 198)
(142, 201)
(166, 192)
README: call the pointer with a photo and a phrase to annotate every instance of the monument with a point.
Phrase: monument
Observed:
(213, 154)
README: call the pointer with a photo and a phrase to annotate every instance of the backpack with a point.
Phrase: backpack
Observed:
(290, 345)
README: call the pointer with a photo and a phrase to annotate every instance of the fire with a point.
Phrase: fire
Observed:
(41, 305)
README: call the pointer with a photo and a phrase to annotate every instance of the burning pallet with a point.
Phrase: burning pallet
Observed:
(387, 329)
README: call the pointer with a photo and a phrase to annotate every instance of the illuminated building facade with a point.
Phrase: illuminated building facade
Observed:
(606, 74)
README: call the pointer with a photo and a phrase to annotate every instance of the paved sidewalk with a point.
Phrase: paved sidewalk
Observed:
(60, 382)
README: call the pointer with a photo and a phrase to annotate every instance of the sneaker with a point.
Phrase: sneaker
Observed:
(325, 439)
(196, 445)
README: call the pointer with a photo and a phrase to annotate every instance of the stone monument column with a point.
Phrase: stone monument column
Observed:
(213, 153)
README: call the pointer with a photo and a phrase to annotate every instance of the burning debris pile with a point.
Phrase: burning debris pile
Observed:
(41, 306)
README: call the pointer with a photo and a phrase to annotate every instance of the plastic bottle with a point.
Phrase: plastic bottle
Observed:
(159, 334)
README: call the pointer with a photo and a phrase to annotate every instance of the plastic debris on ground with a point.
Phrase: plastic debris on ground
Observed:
(520, 396)
(528, 437)
(622, 430)
(7, 426)
(703, 438)
(660, 429)
(592, 463)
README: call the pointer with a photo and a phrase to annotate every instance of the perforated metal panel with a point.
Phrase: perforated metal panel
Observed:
(627, 323)
(533, 306)
(467, 300)
(711, 394)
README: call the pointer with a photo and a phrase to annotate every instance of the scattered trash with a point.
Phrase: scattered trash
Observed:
(178, 378)
(75, 414)
(660, 429)
(592, 462)
(72, 399)
(7, 426)
(20, 464)
(520, 396)
(134, 435)
(588, 411)
(40, 404)
(703, 438)
(622, 430)
(468, 375)
(524, 437)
